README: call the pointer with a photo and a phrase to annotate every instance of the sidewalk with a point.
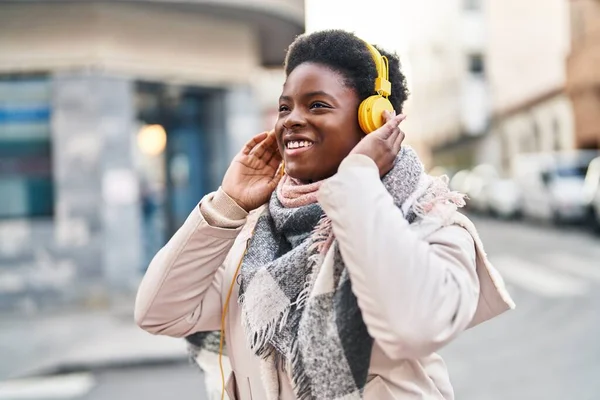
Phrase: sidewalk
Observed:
(76, 341)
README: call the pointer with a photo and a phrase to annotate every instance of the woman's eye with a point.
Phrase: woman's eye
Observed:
(283, 108)
(318, 104)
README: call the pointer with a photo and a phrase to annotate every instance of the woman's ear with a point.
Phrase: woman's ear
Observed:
(281, 171)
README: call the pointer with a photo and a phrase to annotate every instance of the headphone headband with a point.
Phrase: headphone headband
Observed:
(382, 84)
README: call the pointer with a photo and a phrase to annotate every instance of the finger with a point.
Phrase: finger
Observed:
(275, 180)
(251, 144)
(392, 125)
(274, 146)
(275, 161)
(397, 132)
(260, 150)
(400, 137)
(272, 153)
(387, 115)
(392, 138)
(398, 142)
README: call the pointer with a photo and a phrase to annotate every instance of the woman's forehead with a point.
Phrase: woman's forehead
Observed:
(312, 78)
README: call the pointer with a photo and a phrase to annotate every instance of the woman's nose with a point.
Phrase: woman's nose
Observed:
(294, 119)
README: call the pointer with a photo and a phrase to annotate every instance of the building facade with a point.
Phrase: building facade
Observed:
(115, 118)
(510, 97)
(541, 124)
(456, 102)
(583, 72)
(531, 112)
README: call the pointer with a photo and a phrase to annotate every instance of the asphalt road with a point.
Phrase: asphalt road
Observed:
(548, 347)
(181, 382)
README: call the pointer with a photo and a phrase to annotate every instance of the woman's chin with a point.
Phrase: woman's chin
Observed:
(296, 176)
(304, 173)
(298, 172)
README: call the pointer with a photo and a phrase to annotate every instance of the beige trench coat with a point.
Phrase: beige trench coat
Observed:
(417, 289)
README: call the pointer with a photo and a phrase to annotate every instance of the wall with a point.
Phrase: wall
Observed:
(94, 52)
(586, 104)
(93, 240)
(267, 85)
(583, 80)
(528, 45)
(152, 43)
(545, 125)
(434, 59)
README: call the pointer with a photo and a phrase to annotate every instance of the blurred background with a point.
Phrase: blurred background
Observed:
(116, 117)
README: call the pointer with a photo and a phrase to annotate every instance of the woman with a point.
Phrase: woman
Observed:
(354, 267)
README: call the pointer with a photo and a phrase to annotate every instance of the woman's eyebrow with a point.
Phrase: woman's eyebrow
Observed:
(309, 94)
(317, 93)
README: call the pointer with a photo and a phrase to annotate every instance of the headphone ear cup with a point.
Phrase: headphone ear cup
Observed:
(364, 111)
(370, 113)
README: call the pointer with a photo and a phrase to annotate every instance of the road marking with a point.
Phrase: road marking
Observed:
(539, 279)
(52, 387)
(574, 265)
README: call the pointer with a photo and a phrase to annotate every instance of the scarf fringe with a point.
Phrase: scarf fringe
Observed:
(315, 261)
(438, 192)
(260, 341)
(322, 238)
(304, 293)
(322, 235)
(300, 380)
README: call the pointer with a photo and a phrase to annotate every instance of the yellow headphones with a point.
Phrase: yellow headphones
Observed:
(370, 111)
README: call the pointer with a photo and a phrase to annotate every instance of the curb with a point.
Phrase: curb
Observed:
(67, 367)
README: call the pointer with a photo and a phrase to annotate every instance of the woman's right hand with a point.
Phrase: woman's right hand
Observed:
(252, 175)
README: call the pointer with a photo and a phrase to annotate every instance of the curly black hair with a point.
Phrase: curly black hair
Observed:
(347, 54)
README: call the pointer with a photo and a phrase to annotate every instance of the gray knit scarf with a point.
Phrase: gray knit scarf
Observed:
(318, 335)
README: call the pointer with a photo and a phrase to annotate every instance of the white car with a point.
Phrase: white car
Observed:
(552, 185)
(477, 187)
(459, 181)
(504, 199)
(592, 192)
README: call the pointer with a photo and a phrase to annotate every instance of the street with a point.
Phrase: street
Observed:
(181, 382)
(547, 348)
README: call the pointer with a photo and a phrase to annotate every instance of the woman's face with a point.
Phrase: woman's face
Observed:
(318, 122)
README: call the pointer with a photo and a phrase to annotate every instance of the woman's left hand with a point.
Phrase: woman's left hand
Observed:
(383, 144)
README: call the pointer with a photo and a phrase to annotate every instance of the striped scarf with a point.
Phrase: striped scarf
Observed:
(299, 312)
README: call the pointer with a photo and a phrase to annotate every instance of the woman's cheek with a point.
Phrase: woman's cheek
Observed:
(279, 136)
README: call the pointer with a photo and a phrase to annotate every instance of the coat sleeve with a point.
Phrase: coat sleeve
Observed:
(181, 291)
(415, 294)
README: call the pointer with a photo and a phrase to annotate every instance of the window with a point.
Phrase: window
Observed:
(476, 64)
(526, 143)
(25, 163)
(536, 138)
(557, 135)
(472, 5)
(577, 23)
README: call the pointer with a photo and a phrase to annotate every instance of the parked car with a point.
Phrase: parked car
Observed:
(477, 187)
(504, 199)
(552, 185)
(592, 193)
(459, 180)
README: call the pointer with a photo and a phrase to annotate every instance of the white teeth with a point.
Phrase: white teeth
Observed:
(298, 143)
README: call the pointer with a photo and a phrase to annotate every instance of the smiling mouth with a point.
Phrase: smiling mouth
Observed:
(298, 144)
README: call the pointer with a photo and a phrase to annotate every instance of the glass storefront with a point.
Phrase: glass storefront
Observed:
(175, 176)
(25, 147)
